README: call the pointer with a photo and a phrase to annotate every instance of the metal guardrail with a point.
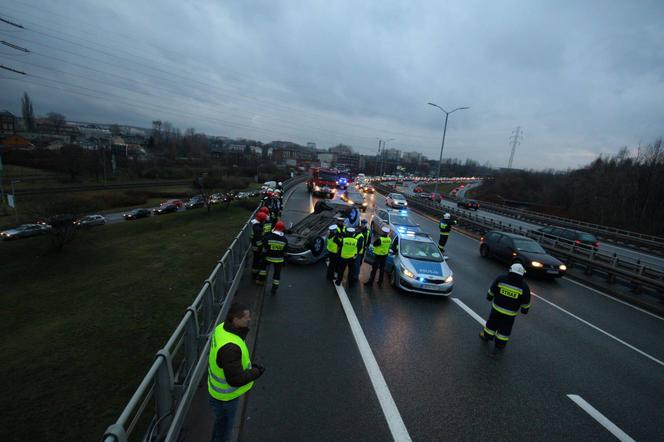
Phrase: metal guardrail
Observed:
(629, 270)
(168, 388)
(612, 234)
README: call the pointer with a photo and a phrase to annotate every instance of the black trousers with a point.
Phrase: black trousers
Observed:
(276, 276)
(379, 263)
(256, 263)
(499, 326)
(442, 241)
(341, 268)
(332, 267)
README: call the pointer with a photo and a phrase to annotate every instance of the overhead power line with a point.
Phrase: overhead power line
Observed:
(12, 70)
(13, 46)
(16, 25)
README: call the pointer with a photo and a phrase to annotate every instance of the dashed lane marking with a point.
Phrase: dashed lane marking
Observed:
(599, 417)
(392, 415)
(626, 344)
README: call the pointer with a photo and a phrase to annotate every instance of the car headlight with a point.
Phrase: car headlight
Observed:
(536, 264)
(316, 188)
(405, 203)
(350, 201)
(364, 204)
(407, 272)
(449, 279)
(562, 267)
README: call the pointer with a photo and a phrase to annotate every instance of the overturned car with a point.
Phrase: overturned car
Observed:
(307, 239)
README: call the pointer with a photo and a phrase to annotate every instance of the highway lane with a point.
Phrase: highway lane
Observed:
(439, 373)
(608, 247)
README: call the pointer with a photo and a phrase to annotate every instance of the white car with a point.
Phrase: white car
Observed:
(25, 231)
(396, 201)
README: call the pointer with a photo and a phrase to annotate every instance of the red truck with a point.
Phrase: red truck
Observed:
(323, 182)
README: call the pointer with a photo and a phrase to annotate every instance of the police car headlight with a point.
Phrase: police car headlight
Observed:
(562, 267)
(405, 203)
(536, 264)
(449, 279)
(407, 272)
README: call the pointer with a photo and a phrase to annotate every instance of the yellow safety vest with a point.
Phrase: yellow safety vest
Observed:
(384, 248)
(349, 247)
(332, 246)
(267, 227)
(218, 387)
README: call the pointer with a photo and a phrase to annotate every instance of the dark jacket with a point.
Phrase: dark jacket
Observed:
(256, 233)
(510, 292)
(229, 358)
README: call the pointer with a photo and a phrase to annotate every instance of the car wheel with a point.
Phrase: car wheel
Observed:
(484, 251)
(317, 246)
(393, 278)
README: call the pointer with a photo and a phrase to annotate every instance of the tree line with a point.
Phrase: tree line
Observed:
(625, 190)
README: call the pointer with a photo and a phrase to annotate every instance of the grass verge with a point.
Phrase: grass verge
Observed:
(80, 328)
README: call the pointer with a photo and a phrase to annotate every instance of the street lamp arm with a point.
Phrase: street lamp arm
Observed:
(435, 105)
(459, 108)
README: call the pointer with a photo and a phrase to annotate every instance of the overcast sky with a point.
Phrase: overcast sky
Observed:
(580, 78)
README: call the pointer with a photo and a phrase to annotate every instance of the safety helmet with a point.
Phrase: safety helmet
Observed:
(333, 227)
(264, 209)
(280, 226)
(385, 229)
(270, 194)
(339, 219)
(278, 192)
(261, 216)
(447, 216)
(350, 229)
(279, 183)
(517, 268)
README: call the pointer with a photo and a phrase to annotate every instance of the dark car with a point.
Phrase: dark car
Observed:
(25, 231)
(511, 248)
(165, 208)
(367, 188)
(136, 214)
(577, 237)
(468, 204)
(195, 202)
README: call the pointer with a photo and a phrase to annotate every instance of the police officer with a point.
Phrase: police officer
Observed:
(382, 246)
(348, 249)
(362, 244)
(508, 294)
(274, 251)
(332, 251)
(445, 226)
(257, 241)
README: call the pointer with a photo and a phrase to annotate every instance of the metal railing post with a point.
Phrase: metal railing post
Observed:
(163, 394)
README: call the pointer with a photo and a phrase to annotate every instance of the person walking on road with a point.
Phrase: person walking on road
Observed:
(445, 226)
(348, 249)
(362, 244)
(257, 241)
(332, 251)
(230, 372)
(508, 294)
(274, 251)
(382, 246)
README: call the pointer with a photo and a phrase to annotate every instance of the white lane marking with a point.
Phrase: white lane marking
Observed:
(470, 311)
(392, 416)
(626, 344)
(614, 299)
(599, 417)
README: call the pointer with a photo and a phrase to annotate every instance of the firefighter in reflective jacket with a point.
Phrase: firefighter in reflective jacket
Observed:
(445, 226)
(508, 294)
(348, 248)
(274, 251)
(267, 224)
(257, 241)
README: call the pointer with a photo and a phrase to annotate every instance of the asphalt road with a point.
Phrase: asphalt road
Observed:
(441, 379)
(644, 257)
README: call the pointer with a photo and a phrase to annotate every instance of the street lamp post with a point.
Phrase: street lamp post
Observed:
(442, 145)
(382, 156)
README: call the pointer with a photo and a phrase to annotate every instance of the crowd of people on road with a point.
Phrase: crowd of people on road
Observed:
(231, 372)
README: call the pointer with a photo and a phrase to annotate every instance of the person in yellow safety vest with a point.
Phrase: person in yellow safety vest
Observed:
(509, 293)
(267, 225)
(257, 241)
(362, 244)
(382, 246)
(348, 248)
(445, 226)
(230, 372)
(274, 251)
(332, 251)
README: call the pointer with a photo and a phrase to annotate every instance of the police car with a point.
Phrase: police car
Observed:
(418, 266)
(397, 221)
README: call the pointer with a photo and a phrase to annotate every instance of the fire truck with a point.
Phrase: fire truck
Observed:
(323, 182)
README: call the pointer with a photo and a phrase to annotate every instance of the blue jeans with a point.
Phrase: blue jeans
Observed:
(224, 415)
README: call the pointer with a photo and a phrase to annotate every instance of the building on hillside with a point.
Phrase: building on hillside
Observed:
(7, 123)
(325, 159)
(412, 157)
(341, 149)
(15, 142)
(392, 154)
(311, 146)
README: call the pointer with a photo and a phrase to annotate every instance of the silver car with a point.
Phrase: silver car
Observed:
(90, 221)
(25, 231)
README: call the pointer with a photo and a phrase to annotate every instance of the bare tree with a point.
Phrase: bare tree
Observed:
(60, 213)
(28, 111)
(57, 120)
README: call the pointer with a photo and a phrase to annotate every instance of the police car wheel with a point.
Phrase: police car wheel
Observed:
(317, 246)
